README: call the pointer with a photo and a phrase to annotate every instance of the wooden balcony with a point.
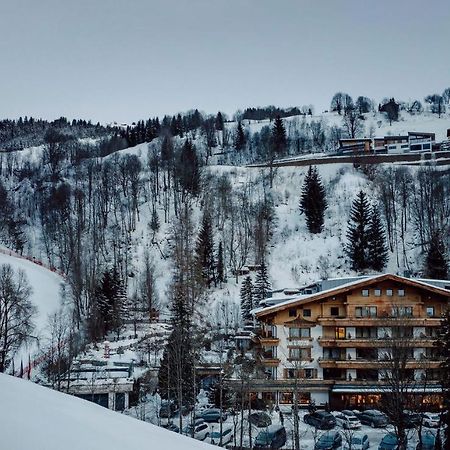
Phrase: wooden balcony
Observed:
(268, 341)
(376, 364)
(269, 362)
(376, 343)
(379, 322)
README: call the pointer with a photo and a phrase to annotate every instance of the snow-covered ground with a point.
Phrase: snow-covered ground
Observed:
(34, 417)
(46, 296)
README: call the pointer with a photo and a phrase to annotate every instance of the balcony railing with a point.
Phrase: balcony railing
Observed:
(376, 342)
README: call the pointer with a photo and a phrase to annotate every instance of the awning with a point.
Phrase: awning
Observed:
(383, 389)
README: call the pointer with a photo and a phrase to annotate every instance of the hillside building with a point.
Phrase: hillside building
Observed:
(333, 345)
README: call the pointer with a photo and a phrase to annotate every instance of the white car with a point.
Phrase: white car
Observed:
(357, 441)
(347, 421)
(214, 435)
(430, 420)
(201, 430)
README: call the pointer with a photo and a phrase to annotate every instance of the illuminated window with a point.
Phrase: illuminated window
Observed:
(340, 333)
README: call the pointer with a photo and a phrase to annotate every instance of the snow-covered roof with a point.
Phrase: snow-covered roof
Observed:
(362, 281)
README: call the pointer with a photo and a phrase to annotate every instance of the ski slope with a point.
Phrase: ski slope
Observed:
(46, 286)
(38, 418)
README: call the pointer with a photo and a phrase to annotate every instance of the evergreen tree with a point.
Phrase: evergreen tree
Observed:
(220, 264)
(218, 123)
(262, 285)
(443, 345)
(239, 137)
(377, 248)
(154, 224)
(246, 299)
(189, 169)
(358, 233)
(279, 139)
(436, 265)
(205, 250)
(313, 201)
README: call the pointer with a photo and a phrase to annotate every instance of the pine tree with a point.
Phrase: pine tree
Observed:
(313, 201)
(220, 264)
(436, 265)
(189, 168)
(443, 345)
(205, 250)
(262, 285)
(358, 233)
(247, 299)
(279, 139)
(218, 123)
(154, 224)
(239, 137)
(377, 248)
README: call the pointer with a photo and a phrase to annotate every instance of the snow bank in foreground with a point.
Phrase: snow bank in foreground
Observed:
(35, 417)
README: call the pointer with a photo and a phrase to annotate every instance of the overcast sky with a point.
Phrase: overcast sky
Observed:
(125, 60)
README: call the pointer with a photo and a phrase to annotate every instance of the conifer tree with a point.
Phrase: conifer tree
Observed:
(377, 248)
(154, 224)
(313, 201)
(239, 137)
(220, 264)
(443, 345)
(262, 285)
(218, 123)
(189, 168)
(436, 265)
(279, 139)
(358, 233)
(247, 299)
(205, 250)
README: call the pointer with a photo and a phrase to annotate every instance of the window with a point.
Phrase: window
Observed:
(366, 332)
(306, 313)
(365, 292)
(292, 312)
(389, 292)
(426, 146)
(334, 311)
(401, 292)
(299, 333)
(340, 333)
(402, 311)
(430, 311)
(300, 354)
(366, 311)
(377, 292)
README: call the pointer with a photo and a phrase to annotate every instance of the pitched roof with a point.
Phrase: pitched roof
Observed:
(349, 287)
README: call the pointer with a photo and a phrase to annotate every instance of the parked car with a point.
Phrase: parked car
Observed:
(214, 415)
(273, 436)
(430, 420)
(199, 430)
(320, 419)
(214, 436)
(260, 419)
(168, 410)
(357, 441)
(389, 442)
(428, 441)
(348, 422)
(171, 427)
(373, 417)
(329, 441)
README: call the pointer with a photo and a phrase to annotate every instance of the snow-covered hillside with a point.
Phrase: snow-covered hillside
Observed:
(34, 417)
(46, 296)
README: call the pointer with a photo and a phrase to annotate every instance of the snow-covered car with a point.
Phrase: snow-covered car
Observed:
(214, 415)
(430, 420)
(199, 430)
(357, 441)
(214, 436)
(347, 422)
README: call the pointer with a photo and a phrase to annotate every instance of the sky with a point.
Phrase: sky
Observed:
(117, 60)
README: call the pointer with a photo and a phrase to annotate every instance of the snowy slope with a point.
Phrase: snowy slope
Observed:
(46, 286)
(34, 417)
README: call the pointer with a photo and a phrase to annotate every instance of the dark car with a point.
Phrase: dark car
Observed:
(260, 419)
(373, 417)
(214, 415)
(167, 410)
(329, 441)
(172, 427)
(389, 442)
(272, 437)
(321, 420)
(412, 419)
